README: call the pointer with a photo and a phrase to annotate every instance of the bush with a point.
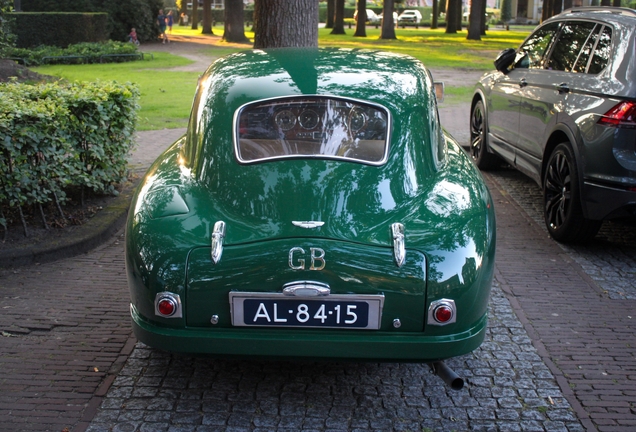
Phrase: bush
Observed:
(54, 136)
(59, 29)
(7, 36)
(141, 14)
(89, 53)
(122, 15)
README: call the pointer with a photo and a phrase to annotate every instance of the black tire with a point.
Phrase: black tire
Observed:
(479, 139)
(562, 199)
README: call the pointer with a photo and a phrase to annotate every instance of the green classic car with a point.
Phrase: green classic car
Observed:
(315, 209)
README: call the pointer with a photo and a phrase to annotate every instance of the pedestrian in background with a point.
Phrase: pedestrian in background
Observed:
(170, 21)
(132, 36)
(161, 22)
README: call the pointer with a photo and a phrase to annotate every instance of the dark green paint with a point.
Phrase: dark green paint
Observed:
(444, 205)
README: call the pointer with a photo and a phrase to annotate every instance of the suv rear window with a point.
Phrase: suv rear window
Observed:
(581, 47)
(314, 126)
(602, 52)
(574, 36)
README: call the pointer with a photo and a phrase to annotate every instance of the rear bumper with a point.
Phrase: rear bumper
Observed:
(310, 344)
(605, 202)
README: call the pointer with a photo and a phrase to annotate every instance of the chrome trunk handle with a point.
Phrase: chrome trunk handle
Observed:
(218, 234)
(399, 248)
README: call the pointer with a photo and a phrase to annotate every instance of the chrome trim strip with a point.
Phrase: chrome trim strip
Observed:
(308, 224)
(218, 234)
(306, 289)
(399, 248)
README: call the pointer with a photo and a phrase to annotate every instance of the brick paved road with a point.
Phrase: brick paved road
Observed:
(65, 332)
(581, 317)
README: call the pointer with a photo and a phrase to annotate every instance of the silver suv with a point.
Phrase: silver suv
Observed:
(562, 109)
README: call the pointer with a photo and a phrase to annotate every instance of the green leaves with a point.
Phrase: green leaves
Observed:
(86, 52)
(54, 136)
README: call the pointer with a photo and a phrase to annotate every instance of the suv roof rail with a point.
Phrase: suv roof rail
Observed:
(608, 9)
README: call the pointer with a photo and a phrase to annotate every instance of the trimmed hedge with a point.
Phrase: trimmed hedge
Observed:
(54, 136)
(59, 28)
(88, 52)
(122, 15)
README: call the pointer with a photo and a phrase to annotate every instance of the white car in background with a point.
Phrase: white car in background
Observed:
(410, 16)
(372, 17)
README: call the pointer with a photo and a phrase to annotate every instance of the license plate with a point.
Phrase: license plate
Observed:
(333, 311)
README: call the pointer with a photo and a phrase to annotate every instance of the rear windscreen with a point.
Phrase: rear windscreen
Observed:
(305, 127)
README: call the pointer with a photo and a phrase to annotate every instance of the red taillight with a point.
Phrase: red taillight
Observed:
(443, 314)
(166, 306)
(622, 115)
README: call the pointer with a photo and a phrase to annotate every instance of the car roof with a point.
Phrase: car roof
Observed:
(397, 82)
(617, 15)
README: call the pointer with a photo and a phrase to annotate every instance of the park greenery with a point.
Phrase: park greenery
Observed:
(76, 133)
(166, 94)
(61, 136)
(87, 52)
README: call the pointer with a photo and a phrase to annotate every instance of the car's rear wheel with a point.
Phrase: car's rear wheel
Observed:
(562, 199)
(479, 139)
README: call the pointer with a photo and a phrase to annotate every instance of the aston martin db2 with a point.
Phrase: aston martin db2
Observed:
(315, 209)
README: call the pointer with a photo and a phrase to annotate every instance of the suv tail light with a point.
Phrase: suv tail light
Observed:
(622, 115)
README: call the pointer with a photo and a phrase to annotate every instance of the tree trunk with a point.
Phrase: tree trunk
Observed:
(459, 15)
(474, 20)
(482, 27)
(285, 23)
(606, 2)
(361, 23)
(338, 25)
(331, 12)
(234, 25)
(388, 26)
(195, 14)
(206, 25)
(451, 17)
(435, 14)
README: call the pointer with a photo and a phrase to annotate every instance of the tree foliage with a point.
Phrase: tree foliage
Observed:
(122, 15)
(7, 37)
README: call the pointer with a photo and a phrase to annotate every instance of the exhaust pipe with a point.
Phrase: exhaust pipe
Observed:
(447, 375)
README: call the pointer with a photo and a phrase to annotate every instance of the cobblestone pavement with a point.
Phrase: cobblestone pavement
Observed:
(509, 389)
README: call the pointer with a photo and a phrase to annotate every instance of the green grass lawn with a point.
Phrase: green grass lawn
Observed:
(166, 95)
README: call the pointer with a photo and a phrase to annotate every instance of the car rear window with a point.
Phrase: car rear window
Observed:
(602, 52)
(575, 38)
(312, 127)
